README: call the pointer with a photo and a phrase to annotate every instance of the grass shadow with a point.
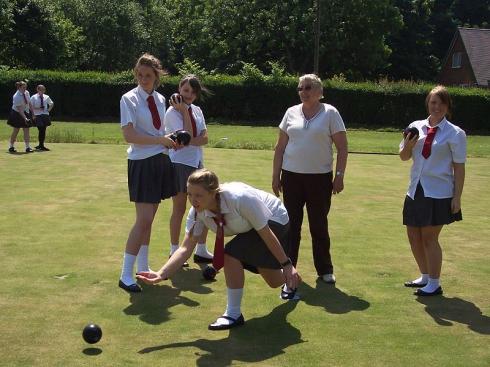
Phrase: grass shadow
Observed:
(259, 339)
(92, 351)
(445, 311)
(331, 298)
(153, 304)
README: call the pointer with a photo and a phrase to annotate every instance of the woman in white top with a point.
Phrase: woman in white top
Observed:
(258, 221)
(20, 116)
(433, 199)
(150, 171)
(303, 165)
(42, 105)
(184, 115)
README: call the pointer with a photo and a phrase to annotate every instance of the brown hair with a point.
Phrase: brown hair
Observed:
(151, 61)
(20, 84)
(443, 94)
(195, 84)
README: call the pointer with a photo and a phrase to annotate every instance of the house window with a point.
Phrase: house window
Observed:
(456, 60)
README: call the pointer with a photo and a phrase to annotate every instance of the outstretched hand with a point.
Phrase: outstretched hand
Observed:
(149, 277)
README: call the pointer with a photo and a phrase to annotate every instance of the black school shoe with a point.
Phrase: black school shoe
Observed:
(12, 150)
(29, 150)
(411, 284)
(202, 260)
(420, 292)
(289, 296)
(234, 323)
(133, 288)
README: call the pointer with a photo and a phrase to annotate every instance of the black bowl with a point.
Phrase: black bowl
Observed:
(413, 131)
(182, 137)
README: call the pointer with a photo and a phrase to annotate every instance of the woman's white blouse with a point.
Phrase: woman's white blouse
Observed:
(243, 207)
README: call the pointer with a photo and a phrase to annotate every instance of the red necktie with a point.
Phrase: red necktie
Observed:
(428, 142)
(42, 101)
(219, 244)
(154, 112)
(193, 122)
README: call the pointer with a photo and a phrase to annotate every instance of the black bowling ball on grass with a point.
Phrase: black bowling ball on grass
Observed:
(92, 333)
(209, 273)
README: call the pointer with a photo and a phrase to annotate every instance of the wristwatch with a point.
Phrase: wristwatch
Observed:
(339, 173)
(286, 263)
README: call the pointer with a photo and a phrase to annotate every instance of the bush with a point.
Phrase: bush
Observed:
(252, 96)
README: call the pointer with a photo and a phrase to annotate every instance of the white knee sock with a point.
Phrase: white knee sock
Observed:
(432, 285)
(201, 250)
(127, 269)
(233, 307)
(173, 248)
(142, 260)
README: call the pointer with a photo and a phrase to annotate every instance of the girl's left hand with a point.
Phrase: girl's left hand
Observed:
(455, 205)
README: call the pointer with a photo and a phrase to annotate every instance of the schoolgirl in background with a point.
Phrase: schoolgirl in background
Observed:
(20, 116)
(42, 104)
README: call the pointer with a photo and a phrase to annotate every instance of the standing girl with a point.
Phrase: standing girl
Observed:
(42, 105)
(20, 115)
(184, 115)
(150, 171)
(433, 199)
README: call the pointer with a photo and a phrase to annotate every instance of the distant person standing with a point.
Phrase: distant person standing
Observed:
(303, 169)
(42, 105)
(20, 116)
(185, 115)
(150, 171)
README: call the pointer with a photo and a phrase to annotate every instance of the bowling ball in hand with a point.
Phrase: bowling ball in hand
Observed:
(92, 333)
(182, 137)
(209, 273)
(176, 98)
(413, 132)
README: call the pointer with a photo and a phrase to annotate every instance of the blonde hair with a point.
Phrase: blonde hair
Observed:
(443, 94)
(151, 61)
(20, 84)
(313, 79)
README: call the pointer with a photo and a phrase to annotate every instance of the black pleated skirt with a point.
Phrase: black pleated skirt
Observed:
(151, 180)
(425, 211)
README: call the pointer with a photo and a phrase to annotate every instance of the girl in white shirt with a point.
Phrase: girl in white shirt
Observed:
(436, 184)
(20, 116)
(150, 171)
(42, 105)
(258, 221)
(184, 115)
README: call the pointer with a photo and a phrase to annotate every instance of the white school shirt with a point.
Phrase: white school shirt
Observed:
(18, 101)
(243, 207)
(135, 110)
(190, 155)
(309, 148)
(436, 172)
(36, 104)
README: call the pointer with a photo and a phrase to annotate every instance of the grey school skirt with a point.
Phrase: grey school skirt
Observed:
(182, 173)
(424, 211)
(151, 180)
(252, 251)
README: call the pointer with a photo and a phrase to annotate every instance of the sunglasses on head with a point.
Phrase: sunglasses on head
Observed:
(307, 87)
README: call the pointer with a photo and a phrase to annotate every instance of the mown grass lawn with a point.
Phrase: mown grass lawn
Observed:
(64, 220)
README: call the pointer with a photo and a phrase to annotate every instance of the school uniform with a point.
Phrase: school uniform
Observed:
(150, 171)
(189, 158)
(40, 106)
(306, 178)
(245, 210)
(431, 186)
(20, 101)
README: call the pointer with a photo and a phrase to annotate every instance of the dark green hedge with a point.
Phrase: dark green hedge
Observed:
(95, 96)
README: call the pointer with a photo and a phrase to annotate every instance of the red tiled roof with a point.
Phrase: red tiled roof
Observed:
(477, 44)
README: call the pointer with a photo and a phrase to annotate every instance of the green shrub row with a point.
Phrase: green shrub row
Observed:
(95, 96)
